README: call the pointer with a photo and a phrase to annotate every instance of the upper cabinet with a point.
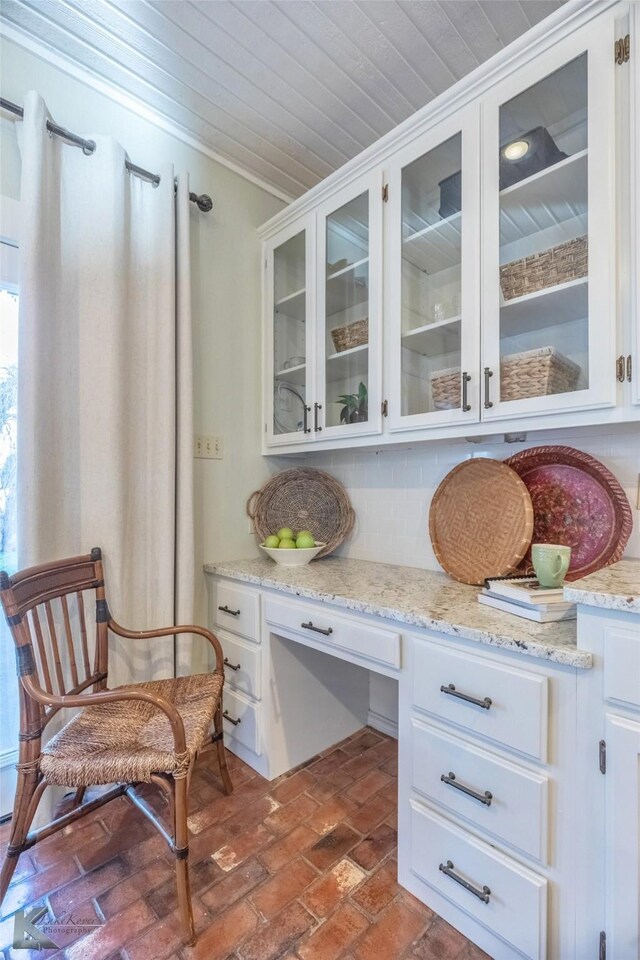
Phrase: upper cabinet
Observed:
(478, 273)
(548, 200)
(433, 315)
(289, 312)
(348, 395)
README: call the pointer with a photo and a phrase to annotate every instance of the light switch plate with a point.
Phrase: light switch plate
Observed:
(206, 447)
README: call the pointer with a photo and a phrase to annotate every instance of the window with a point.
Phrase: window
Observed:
(8, 545)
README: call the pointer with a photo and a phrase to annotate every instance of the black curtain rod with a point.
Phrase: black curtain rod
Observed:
(204, 202)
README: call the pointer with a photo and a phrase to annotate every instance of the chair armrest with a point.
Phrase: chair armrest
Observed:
(111, 696)
(172, 631)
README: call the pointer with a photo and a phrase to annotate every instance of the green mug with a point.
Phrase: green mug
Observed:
(550, 562)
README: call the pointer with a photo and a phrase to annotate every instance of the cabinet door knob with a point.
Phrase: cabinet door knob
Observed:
(305, 427)
(316, 408)
(232, 666)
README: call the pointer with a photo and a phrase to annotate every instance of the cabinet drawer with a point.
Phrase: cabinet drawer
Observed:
(622, 665)
(236, 608)
(242, 664)
(324, 626)
(517, 898)
(515, 811)
(515, 702)
(246, 729)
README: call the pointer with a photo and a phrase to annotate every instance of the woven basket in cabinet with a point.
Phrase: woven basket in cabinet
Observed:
(353, 335)
(568, 261)
(533, 373)
(303, 499)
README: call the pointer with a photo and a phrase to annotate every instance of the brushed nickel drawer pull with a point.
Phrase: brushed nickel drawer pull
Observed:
(451, 781)
(310, 626)
(231, 720)
(232, 666)
(226, 609)
(452, 692)
(483, 894)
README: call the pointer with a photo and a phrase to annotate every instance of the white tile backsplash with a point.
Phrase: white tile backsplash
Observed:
(391, 490)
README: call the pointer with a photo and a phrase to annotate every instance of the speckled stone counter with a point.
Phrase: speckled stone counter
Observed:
(422, 598)
(616, 587)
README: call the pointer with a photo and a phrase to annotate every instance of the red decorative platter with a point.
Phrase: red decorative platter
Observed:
(576, 502)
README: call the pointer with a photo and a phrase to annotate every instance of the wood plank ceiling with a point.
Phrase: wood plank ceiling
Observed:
(287, 90)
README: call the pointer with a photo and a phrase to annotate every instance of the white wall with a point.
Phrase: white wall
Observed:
(391, 490)
(226, 290)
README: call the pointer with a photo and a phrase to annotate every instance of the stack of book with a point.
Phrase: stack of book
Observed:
(524, 597)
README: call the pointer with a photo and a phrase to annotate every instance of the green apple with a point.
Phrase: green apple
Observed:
(272, 542)
(285, 533)
(305, 533)
(287, 544)
(304, 541)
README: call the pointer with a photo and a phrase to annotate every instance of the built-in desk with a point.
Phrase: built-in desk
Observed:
(487, 721)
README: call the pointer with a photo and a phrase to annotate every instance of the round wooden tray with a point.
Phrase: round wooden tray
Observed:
(303, 499)
(480, 521)
(576, 502)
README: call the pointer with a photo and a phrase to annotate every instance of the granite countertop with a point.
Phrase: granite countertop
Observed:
(616, 587)
(423, 598)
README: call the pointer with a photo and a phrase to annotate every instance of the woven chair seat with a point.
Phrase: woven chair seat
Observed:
(129, 740)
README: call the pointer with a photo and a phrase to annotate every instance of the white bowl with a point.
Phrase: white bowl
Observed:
(293, 557)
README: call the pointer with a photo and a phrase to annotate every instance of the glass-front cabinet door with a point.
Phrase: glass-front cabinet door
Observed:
(289, 379)
(549, 321)
(349, 312)
(433, 277)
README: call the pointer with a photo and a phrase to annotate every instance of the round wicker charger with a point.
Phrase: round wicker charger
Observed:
(303, 499)
(480, 521)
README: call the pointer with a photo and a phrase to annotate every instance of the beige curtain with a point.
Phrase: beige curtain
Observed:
(105, 409)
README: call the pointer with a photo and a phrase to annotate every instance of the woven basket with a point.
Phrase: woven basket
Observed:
(445, 388)
(353, 335)
(537, 373)
(534, 373)
(303, 499)
(568, 261)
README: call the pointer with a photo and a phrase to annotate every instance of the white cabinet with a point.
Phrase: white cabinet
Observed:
(622, 805)
(496, 218)
(432, 243)
(289, 310)
(548, 201)
(349, 312)
(323, 321)
(486, 794)
(608, 865)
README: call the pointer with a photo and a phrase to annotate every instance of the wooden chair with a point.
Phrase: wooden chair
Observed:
(139, 733)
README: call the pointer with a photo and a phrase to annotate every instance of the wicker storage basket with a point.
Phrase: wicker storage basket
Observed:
(303, 499)
(445, 388)
(568, 261)
(534, 373)
(537, 373)
(353, 335)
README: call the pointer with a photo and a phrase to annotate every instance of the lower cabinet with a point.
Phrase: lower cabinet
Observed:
(622, 849)
(485, 791)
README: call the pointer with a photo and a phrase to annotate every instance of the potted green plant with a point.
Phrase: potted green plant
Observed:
(355, 406)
